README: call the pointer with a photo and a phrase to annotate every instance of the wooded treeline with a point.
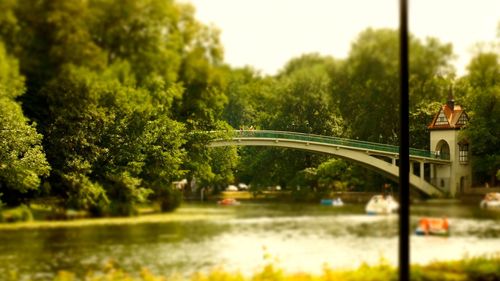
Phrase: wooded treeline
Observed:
(103, 104)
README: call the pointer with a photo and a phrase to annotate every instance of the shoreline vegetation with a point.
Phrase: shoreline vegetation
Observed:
(468, 268)
(38, 216)
(145, 215)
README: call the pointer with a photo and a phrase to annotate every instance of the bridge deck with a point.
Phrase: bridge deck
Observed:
(364, 153)
(375, 148)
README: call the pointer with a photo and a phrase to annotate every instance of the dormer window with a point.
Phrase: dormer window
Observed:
(463, 119)
(441, 120)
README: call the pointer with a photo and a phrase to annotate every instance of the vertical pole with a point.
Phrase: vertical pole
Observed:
(404, 151)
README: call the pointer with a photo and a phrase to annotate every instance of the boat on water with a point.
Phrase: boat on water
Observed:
(228, 202)
(433, 226)
(337, 202)
(491, 200)
(380, 204)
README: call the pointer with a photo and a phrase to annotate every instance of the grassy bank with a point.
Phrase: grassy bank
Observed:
(480, 268)
(182, 214)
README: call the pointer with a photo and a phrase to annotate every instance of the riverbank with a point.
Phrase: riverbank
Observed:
(479, 268)
(199, 211)
(146, 216)
(348, 197)
(286, 196)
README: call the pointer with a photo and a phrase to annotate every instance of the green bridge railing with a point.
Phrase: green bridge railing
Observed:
(335, 141)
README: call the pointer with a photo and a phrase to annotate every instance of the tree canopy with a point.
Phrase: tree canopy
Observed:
(22, 159)
(482, 94)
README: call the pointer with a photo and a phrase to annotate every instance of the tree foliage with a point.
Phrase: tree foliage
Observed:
(482, 94)
(320, 95)
(298, 100)
(370, 74)
(112, 78)
(118, 145)
(22, 160)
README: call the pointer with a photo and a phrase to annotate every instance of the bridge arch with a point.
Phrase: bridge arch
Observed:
(366, 154)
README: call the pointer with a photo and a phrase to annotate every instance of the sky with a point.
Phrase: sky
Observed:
(265, 34)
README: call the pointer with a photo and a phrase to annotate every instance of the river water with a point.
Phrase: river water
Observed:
(296, 237)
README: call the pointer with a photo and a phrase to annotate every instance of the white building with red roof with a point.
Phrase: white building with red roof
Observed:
(446, 140)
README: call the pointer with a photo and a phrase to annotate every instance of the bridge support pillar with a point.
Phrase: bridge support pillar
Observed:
(422, 171)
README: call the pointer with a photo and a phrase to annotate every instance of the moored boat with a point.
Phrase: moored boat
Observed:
(433, 226)
(491, 200)
(337, 202)
(380, 204)
(228, 202)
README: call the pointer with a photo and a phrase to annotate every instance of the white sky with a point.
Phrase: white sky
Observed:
(265, 34)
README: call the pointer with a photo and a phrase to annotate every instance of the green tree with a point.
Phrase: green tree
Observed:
(304, 103)
(299, 101)
(250, 98)
(202, 73)
(110, 145)
(334, 175)
(482, 90)
(370, 75)
(420, 117)
(223, 162)
(22, 160)
(210, 167)
(106, 80)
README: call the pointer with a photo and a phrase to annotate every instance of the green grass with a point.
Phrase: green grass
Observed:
(182, 214)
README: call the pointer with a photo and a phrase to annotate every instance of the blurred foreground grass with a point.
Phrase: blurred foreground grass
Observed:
(476, 268)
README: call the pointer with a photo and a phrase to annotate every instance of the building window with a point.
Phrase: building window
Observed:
(441, 120)
(462, 120)
(463, 153)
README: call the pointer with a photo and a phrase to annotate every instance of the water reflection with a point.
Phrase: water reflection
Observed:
(300, 237)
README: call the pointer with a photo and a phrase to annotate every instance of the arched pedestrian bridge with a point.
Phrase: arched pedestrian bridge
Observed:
(381, 158)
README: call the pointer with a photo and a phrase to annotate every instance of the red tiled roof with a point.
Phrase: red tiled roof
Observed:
(452, 116)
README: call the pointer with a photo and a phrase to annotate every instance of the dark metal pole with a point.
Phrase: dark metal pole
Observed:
(404, 151)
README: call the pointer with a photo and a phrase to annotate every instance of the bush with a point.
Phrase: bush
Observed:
(483, 268)
(99, 209)
(114, 208)
(122, 208)
(305, 194)
(169, 199)
(21, 213)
